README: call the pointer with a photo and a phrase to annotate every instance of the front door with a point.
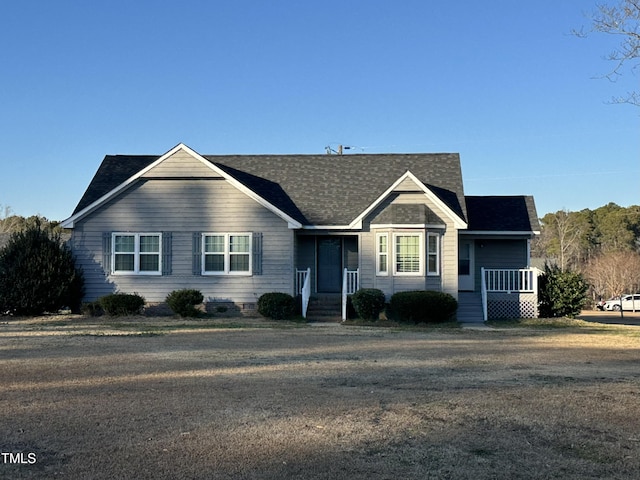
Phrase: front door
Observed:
(329, 264)
(466, 279)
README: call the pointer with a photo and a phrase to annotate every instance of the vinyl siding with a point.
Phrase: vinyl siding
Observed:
(447, 281)
(181, 165)
(184, 207)
(496, 253)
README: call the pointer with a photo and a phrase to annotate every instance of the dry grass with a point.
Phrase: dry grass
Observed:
(213, 401)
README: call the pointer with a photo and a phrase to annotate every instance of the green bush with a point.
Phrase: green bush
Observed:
(122, 304)
(38, 274)
(422, 306)
(561, 294)
(183, 302)
(368, 303)
(276, 305)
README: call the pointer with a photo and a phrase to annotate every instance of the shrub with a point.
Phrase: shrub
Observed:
(276, 305)
(368, 303)
(183, 302)
(38, 274)
(92, 309)
(422, 306)
(561, 293)
(122, 304)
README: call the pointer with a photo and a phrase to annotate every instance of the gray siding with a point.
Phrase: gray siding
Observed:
(447, 281)
(497, 253)
(184, 207)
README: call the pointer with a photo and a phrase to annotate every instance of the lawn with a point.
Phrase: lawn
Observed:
(166, 399)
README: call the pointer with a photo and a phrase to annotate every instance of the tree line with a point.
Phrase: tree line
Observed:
(602, 244)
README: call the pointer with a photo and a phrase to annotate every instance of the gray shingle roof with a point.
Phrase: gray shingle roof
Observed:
(502, 214)
(334, 189)
(313, 189)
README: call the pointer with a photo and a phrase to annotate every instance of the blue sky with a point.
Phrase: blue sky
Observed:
(502, 82)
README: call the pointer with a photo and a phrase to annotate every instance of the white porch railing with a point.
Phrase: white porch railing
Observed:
(303, 288)
(301, 275)
(507, 280)
(350, 284)
(510, 280)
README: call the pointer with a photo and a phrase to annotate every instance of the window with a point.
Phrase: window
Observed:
(382, 254)
(226, 254)
(137, 253)
(433, 254)
(407, 254)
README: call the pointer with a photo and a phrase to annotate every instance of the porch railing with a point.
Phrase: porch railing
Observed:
(350, 285)
(507, 280)
(303, 288)
(301, 275)
(510, 280)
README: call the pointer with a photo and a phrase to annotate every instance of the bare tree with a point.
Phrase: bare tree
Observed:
(562, 234)
(623, 20)
(614, 273)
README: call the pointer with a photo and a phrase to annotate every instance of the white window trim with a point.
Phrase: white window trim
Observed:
(378, 253)
(437, 236)
(227, 254)
(421, 254)
(136, 253)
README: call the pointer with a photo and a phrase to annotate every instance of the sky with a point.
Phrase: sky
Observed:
(502, 82)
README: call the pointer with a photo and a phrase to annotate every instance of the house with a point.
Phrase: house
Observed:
(237, 226)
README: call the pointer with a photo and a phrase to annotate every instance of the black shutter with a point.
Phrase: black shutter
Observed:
(196, 252)
(166, 253)
(106, 252)
(257, 253)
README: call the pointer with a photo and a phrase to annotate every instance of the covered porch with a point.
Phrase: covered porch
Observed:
(327, 267)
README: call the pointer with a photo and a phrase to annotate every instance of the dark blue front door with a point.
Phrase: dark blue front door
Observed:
(329, 264)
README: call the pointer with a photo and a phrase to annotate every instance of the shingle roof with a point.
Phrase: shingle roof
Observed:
(114, 170)
(313, 189)
(502, 214)
(334, 189)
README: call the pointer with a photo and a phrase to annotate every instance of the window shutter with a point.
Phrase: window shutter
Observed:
(257, 254)
(197, 254)
(106, 252)
(166, 253)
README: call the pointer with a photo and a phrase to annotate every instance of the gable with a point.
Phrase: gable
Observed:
(181, 164)
(115, 169)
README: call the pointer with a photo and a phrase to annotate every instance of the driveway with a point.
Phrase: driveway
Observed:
(612, 318)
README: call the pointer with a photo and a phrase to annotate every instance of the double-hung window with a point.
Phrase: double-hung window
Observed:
(226, 254)
(408, 257)
(433, 253)
(137, 253)
(382, 254)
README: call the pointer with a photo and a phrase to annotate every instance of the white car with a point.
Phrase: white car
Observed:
(629, 302)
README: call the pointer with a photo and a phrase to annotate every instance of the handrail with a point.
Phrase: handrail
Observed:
(306, 292)
(483, 291)
(350, 284)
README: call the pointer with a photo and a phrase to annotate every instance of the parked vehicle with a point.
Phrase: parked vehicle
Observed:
(627, 302)
(601, 303)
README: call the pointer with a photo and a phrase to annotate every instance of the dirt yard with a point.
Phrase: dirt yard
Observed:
(156, 399)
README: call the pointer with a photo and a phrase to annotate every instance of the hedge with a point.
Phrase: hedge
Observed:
(422, 306)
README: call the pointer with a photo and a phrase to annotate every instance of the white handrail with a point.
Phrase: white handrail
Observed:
(483, 290)
(306, 292)
(350, 284)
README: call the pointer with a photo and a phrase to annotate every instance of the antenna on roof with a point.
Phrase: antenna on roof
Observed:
(331, 151)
